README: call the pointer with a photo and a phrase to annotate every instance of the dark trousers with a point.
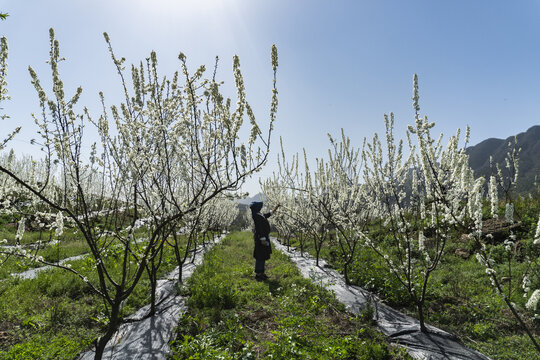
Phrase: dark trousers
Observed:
(259, 266)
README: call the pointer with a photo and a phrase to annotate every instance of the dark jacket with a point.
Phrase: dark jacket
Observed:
(262, 229)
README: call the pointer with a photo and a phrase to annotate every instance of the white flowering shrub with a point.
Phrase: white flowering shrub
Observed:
(536, 240)
(532, 303)
(421, 198)
(336, 194)
(299, 194)
(290, 221)
(508, 175)
(217, 216)
(209, 220)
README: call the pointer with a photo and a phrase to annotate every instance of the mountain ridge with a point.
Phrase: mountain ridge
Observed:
(257, 197)
(529, 157)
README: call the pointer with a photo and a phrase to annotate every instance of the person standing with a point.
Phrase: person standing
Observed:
(262, 249)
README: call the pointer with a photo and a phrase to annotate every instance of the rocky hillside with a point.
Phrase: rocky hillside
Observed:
(256, 197)
(529, 163)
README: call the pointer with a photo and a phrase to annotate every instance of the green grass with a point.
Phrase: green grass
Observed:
(43, 315)
(31, 237)
(70, 244)
(52, 253)
(56, 315)
(232, 316)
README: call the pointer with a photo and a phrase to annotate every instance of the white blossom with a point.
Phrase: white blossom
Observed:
(537, 234)
(59, 224)
(526, 285)
(509, 213)
(421, 240)
(508, 245)
(532, 303)
(493, 196)
(20, 230)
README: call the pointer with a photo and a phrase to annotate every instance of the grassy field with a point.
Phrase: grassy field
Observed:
(67, 247)
(233, 316)
(56, 315)
(460, 299)
(70, 244)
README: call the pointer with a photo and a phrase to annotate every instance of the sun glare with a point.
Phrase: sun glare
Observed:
(190, 8)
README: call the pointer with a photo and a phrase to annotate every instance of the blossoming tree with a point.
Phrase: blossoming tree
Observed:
(171, 147)
(419, 198)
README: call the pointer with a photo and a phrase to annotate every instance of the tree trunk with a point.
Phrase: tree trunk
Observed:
(195, 242)
(420, 307)
(111, 329)
(346, 272)
(180, 274)
(153, 287)
(317, 252)
(179, 260)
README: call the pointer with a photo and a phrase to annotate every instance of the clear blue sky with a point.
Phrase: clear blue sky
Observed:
(343, 64)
